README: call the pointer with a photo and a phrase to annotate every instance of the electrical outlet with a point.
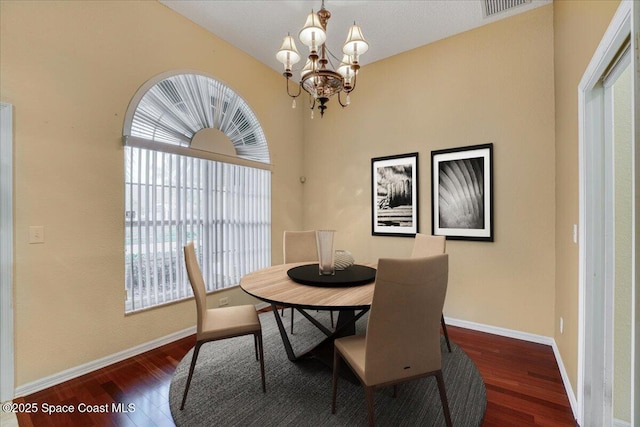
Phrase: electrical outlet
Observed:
(561, 325)
(223, 301)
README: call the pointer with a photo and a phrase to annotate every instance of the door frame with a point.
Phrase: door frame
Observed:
(635, 291)
(6, 254)
(596, 218)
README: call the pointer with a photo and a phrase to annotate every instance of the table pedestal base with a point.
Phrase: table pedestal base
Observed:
(323, 351)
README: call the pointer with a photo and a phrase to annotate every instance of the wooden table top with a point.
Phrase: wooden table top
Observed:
(273, 285)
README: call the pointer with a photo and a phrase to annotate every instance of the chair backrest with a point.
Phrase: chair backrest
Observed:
(425, 245)
(197, 283)
(300, 246)
(403, 332)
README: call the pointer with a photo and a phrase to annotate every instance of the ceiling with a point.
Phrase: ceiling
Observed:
(391, 27)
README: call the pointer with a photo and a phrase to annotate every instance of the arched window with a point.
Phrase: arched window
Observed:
(196, 168)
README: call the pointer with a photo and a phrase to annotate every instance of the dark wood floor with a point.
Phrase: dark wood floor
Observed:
(524, 387)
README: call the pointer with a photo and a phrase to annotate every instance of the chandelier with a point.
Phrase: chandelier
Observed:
(319, 78)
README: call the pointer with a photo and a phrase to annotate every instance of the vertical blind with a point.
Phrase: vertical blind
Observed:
(176, 194)
(172, 199)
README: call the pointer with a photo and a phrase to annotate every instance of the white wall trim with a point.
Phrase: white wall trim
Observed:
(496, 330)
(69, 374)
(635, 290)
(593, 404)
(565, 380)
(6, 253)
(525, 336)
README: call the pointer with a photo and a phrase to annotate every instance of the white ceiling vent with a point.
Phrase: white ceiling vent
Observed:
(494, 7)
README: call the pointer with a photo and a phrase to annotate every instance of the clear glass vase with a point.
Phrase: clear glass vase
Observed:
(324, 241)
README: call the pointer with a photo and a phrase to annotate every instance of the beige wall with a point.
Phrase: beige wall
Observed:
(492, 84)
(70, 70)
(578, 29)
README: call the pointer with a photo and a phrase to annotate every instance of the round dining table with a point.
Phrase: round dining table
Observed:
(274, 286)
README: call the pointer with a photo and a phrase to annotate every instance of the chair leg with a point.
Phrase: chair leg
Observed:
(196, 350)
(444, 330)
(255, 344)
(258, 337)
(334, 383)
(443, 398)
(368, 393)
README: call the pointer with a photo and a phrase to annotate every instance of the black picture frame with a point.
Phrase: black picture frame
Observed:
(394, 195)
(462, 193)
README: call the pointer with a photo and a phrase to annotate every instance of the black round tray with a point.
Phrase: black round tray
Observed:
(355, 275)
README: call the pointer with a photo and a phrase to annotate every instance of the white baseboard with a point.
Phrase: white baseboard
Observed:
(69, 374)
(565, 380)
(495, 330)
(525, 336)
(60, 377)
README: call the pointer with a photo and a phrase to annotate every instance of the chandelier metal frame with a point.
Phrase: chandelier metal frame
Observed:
(317, 78)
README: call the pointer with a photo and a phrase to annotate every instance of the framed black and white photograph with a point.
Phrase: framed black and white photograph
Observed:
(394, 196)
(461, 193)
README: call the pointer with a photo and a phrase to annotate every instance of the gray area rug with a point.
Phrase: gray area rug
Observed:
(226, 391)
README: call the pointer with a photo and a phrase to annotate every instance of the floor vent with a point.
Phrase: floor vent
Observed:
(494, 7)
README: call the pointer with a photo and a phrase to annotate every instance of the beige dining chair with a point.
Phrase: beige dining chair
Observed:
(399, 345)
(300, 246)
(425, 245)
(219, 323)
